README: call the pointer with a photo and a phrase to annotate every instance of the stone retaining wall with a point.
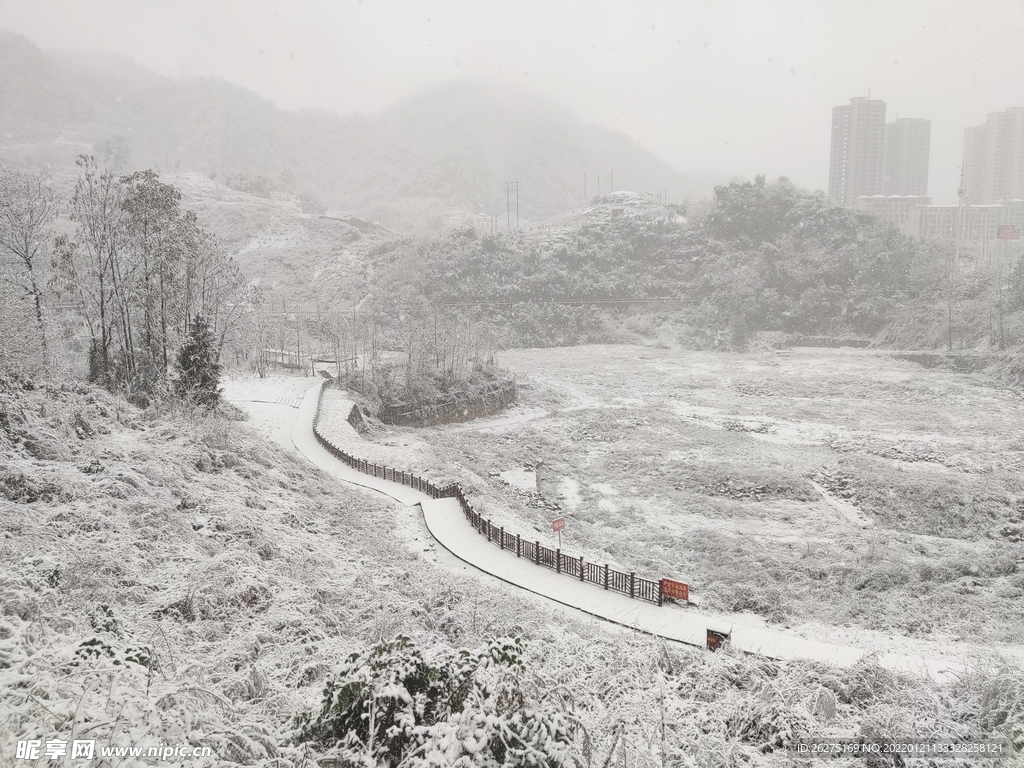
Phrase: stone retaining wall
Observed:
(454, 408)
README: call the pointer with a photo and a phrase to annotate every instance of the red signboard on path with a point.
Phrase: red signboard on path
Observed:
(1008, 232)
(558, 524)
(676, 589)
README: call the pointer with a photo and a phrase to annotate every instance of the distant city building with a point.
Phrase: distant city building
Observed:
(892, 209)
(973, 225)
(857, 162)
(907, 149)
(993, 164)
(871, 157)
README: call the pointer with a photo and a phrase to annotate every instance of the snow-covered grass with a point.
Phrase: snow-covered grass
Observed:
(176, 578)
(838, 492)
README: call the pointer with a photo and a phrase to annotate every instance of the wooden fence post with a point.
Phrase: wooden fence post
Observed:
(502, 541)
(488, 530)
(606, 575)
(536, 552)
(660, 594)
(519, 546)
(581, 568)
(558, 561)
(632, 584)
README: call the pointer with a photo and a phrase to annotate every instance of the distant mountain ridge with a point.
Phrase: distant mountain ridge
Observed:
(451, 147)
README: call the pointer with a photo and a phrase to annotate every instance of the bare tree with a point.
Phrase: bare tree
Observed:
(88, 264)
(27, 211)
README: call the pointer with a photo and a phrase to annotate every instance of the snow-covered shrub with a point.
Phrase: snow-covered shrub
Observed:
(391, 706)
(766, 719)
(994, 700)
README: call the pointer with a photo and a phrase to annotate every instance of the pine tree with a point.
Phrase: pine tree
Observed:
(198, 368)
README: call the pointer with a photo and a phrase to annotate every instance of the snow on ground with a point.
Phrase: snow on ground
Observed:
(404, 449)
(511, 417)
(569, 491)
(523, 479)
(271, 403)
(746, 629)
(844, 508)
(835, 560)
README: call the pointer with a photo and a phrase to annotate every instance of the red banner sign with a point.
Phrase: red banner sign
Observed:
(676, 589)
(1008, 232)
(558, 524)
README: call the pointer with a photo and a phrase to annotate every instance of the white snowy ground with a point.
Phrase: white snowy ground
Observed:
(270, 405)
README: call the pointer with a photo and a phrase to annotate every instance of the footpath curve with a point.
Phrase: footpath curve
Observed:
(447, 523)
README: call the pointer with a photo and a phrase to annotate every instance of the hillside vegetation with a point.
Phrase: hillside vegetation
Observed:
(765, 263)
(768, 257)
(449, 150)
(172, 578)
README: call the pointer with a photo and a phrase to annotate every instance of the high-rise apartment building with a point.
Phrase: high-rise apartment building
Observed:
(857, 163)
(993, 165)
(907, 148)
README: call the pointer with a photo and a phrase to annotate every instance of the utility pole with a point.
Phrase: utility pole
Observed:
(1000, 299)
(517, 206)
(508, 203)
(961, 193)
(954, 277)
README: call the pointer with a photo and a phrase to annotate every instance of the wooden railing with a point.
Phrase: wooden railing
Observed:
(575, 567)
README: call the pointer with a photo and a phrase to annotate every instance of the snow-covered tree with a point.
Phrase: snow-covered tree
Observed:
(141, 268)
(27, 211)
(392, 707)
(198, 369)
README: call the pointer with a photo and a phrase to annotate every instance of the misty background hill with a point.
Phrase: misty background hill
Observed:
(440, 154)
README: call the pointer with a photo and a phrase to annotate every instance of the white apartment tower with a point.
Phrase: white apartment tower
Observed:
(857, 163)
(907, 147)
(993, 165)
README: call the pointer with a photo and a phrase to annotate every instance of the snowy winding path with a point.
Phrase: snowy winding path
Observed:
(447, 524)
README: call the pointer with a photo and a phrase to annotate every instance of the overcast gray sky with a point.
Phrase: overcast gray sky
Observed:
(742, 86)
